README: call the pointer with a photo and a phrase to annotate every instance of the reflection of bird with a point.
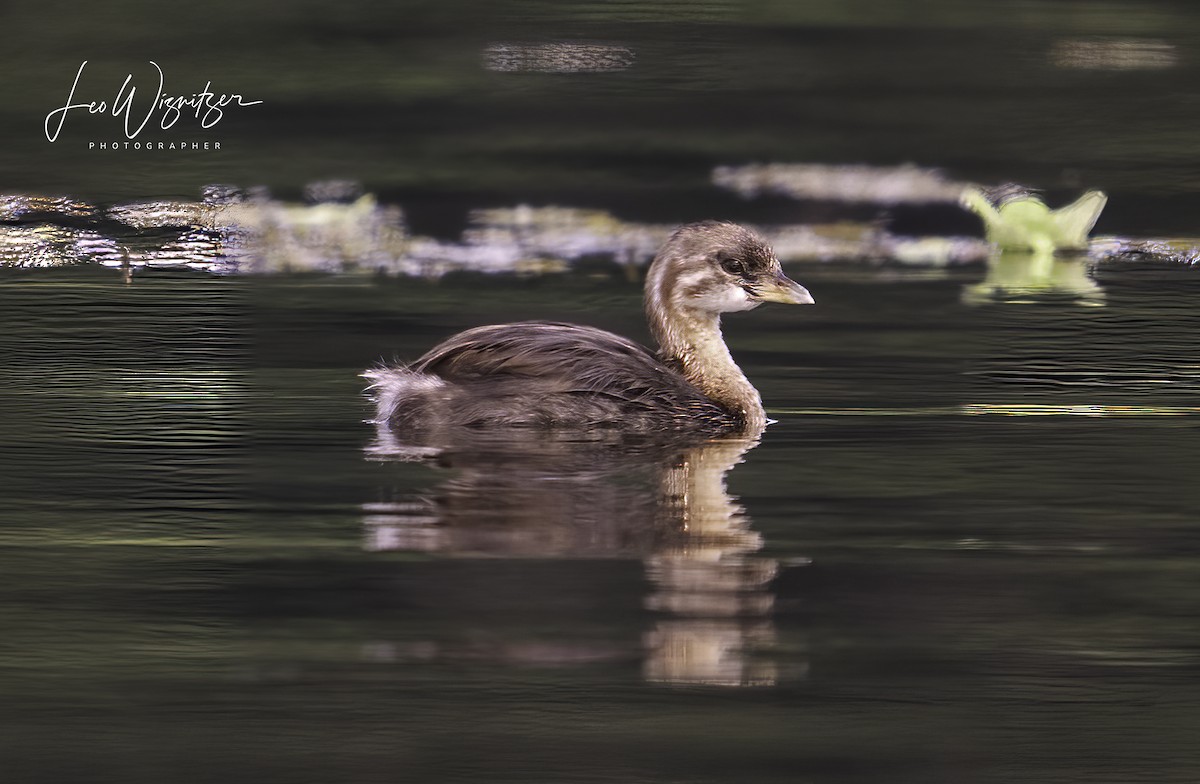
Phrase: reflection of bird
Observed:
(543, 497)
(527, 493)
(541, 373)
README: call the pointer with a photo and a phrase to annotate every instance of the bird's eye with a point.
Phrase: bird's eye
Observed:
(733, 265)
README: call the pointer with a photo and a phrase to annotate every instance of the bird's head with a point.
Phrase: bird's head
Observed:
(715, 267)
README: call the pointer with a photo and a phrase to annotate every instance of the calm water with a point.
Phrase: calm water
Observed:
(966, 551)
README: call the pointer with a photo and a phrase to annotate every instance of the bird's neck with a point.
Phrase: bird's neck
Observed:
(692, 342)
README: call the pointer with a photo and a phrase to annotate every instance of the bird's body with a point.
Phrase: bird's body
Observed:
(539, 373)
(548, 374)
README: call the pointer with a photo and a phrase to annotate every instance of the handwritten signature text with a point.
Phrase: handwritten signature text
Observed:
(206, 106)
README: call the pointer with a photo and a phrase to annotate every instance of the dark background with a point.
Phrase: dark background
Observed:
(394, 95)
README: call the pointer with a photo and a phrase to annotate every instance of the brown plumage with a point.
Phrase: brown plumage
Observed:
(537, 373)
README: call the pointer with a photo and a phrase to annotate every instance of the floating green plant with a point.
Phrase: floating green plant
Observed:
(1025, 223)
(1028, 240)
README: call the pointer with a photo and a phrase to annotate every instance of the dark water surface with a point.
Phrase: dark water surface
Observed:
(965, 552)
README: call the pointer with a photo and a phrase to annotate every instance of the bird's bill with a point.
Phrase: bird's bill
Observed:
(785, 290)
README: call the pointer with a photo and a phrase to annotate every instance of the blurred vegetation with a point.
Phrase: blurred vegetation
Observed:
(395, 95)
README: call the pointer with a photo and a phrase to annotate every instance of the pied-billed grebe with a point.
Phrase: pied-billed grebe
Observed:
(548, 374)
